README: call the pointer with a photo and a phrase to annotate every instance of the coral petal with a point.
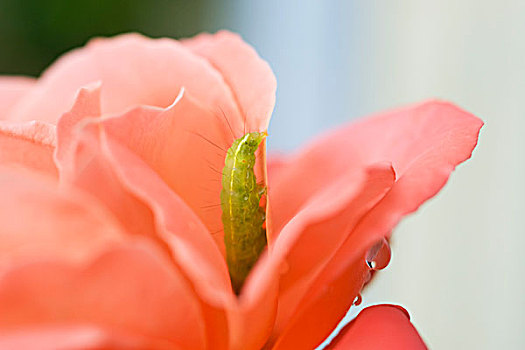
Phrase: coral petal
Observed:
(134, 70)
(324, 305)
(314, 236)
(185, 145)
(87, 105)
(77, 337)
(12, 90)
(379, 327)
(105, 164)
(29, 145)
(177, 225)
(250, 78)
(40, 220)
(116, 159)
(429, 138)
(252, 321)
(65, 259)
(132, 289)
(424, 143)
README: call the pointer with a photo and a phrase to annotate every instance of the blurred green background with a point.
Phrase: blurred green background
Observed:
(34, 32)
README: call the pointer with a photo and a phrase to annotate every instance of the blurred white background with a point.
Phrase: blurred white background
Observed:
(457, 263)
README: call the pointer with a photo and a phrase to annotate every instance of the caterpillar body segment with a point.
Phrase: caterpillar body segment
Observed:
(242, 215)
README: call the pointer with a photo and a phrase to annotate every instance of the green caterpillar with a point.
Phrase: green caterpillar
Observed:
(242, 215)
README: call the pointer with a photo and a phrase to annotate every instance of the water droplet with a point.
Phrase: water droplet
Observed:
(378, 255)
(358, 300)
(245, 198)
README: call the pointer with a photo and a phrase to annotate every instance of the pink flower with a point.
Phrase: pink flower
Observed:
(111, 236)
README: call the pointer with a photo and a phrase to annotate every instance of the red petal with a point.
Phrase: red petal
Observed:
(379, 327)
